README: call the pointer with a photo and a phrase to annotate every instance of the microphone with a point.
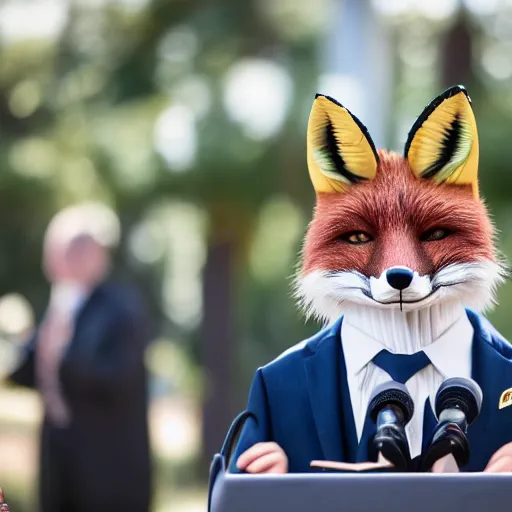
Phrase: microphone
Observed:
(391, 408)
(458, 405)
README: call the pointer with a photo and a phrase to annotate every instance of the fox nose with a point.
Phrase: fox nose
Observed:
(399, 277)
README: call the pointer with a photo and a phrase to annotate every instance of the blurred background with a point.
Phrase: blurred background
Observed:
(188, 118)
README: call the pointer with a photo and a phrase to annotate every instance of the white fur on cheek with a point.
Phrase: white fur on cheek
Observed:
(473, 284)
(323, 294)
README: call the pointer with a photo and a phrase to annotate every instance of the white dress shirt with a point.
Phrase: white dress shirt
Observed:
(364, 334)
(68, 298)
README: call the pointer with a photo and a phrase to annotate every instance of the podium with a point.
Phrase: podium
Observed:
(347, 492)
(351, 492)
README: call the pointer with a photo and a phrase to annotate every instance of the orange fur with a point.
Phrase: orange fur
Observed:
(396, 208)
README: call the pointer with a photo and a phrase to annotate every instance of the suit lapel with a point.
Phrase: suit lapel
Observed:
(81, 312)
(493, 373)
(364, 450)
(81, 321)
(322, 371)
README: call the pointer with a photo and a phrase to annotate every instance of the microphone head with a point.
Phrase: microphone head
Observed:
(459, 393)
(391, 393)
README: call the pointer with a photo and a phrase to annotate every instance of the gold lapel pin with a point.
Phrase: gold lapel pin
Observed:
(505, 399)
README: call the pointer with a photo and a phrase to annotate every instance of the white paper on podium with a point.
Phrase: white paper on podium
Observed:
(382, 463)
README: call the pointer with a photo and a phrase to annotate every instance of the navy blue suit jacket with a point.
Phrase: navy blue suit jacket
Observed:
(296, 401)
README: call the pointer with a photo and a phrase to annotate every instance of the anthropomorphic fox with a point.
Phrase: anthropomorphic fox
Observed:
(398, 259)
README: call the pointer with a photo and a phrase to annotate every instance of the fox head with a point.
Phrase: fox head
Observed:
(397, 231)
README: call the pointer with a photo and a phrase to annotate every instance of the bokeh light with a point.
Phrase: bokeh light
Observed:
(257, 95)
(16, 316)
(175, 137)
(32, 19)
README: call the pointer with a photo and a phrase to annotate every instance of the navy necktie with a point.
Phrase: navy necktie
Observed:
(401, 367)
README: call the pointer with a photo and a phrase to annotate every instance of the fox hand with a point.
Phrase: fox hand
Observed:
(501, 461)
(263, 458)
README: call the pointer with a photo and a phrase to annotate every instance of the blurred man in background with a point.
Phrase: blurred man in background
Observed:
(87, 361)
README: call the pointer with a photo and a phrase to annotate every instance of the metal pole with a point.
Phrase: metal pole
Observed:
(357, 65)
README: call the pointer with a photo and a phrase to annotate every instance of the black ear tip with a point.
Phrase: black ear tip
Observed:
(329, 98)
(455, 89)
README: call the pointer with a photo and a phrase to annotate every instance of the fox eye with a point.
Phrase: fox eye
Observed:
(435, 234)
(357, 237)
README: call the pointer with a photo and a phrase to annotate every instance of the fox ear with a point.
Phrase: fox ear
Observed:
(340, 150)
(443, 143)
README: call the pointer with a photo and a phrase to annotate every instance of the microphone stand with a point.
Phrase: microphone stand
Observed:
(449, 449)
(390, 440)
(391, 408)
(458, 404)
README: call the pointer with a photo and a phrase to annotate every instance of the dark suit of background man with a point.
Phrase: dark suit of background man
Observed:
(86, 360)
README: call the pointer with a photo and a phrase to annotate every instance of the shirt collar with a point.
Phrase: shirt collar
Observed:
(450, 353)
(67, 298)
(358, 348)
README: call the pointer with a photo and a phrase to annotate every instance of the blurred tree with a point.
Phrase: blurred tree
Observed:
(456, 52)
